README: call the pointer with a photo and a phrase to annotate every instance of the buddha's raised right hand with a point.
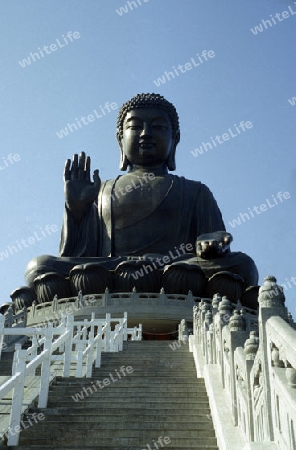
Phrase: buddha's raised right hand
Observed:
(80, 191)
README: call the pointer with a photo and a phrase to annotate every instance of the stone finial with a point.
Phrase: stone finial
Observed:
(225, 309)
(275, 358)
(205, 307)
(271, 295)
(291, 377)
(216, 300)
(251, 345)
(208, 317)
(183, 331)
(237, 322)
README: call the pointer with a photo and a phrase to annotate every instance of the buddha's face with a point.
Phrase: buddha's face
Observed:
(147, 137)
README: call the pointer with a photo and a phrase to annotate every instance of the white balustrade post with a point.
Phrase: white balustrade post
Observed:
(45, 368)
(90, 355)
(33, 352)
(121, 335)
(271, 303)
(125, 326)
(63, 323)
(79, 349)
(85, 330)
(134, 336)
(99, 347)
(17, 347)
(68, 346)
(116, 338)
(34, 346)
(107, 333)
(17, 398)
(2, 321)
(140, 332)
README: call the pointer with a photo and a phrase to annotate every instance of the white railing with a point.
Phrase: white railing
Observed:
(10, 320)
(76, 344)
(253, 358)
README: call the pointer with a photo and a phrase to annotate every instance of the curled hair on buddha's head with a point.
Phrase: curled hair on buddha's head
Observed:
(146, 101)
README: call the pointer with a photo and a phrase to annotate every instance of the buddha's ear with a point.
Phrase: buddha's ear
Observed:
(171, 159)
(123, 159)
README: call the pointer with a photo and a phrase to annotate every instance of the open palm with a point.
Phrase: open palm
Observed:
(80, 191)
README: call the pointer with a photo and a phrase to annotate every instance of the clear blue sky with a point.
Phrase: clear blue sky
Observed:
(115, 55)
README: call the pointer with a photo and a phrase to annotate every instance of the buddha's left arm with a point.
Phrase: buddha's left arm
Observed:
(213, 240)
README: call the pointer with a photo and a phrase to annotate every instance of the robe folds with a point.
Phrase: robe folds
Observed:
(187, 210)
(147, 221)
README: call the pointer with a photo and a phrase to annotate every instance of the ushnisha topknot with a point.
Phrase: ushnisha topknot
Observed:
(142, 101)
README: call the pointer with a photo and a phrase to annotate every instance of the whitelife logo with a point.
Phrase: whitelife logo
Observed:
(9, 160)
(279, 17)
(86, 120)
(23, 243)
(48, 49)
(129, 7)
(89, 390)
(259, 209)
(205, 146)
(183, 68)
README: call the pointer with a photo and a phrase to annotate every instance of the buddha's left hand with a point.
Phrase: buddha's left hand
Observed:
(211, 245)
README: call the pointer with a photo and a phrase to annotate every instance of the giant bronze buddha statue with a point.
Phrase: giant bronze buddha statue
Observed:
(147, 216)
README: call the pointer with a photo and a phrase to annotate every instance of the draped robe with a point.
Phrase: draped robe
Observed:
(154, 217)
(167, 219)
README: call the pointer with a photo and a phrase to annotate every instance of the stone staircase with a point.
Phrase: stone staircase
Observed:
(155, 401)
(6, 364)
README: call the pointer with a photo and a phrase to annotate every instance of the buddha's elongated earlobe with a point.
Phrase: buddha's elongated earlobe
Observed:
(171, 162)
(124, 163)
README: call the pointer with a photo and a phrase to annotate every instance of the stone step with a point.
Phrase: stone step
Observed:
(136, 380)
(129, 393)
(162, 396)
(128, 388)
(161, 362)
(142, 445)
(135, 430)
(167, 369)
(121, 421)
(127, 403)
(164, 351)
(95, 447)
(82, 410)
(95, 440)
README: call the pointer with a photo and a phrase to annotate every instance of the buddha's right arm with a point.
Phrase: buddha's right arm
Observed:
(78, 211)
(80, 238)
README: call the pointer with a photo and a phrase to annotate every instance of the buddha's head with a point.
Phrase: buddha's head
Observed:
(148, 132)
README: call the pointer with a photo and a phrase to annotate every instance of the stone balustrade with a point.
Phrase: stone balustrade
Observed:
(11, 320)
(249, 364)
